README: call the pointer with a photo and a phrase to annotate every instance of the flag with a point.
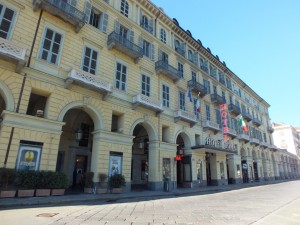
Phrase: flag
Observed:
(198, 105)
(242, 124)
(189, 95)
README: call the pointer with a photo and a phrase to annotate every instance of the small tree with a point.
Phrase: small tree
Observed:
(88, 179)
(116, 181)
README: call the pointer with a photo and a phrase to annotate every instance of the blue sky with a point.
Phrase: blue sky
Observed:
(259, 40)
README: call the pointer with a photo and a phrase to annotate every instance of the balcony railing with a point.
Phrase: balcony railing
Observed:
(89, 80)
(256, 122)
(217, 99)
(254, 141)
(247, 116)
(125, 46)
(147, 102)
(196, 86)
(209, 125)
(147, 27)
(180, 51)
(162, 67)
(244, 137)
(270, 129)
(232, 108)
(63, 10)
(185, 116)
(264, 144)
(230, 132)
(12, 53)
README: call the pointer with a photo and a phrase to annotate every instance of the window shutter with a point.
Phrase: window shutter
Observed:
(151, 23)
(159, 54)
(183, 46)
(117, 27)
(131, 36)
(141, 17)
(104, 22)
(151, 51)
(87, 10)
(141, 40)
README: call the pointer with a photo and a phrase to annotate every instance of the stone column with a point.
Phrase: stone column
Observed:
(235, 169)
(155, 165)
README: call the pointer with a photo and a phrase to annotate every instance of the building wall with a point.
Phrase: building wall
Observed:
(56, 128)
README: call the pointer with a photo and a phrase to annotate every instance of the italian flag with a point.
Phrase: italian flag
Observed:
(242, 124)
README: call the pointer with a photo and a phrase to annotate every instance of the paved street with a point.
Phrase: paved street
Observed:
(269, 204)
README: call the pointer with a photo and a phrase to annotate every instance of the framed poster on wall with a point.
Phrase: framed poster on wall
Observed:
(115, 163)
(29, 157)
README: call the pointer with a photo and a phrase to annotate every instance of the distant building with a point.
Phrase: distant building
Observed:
(287, 137)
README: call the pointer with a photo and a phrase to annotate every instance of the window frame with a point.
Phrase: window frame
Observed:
(180, 68)
(13, 21)
(124, 6)
(207, 112)
(84, 55)
(163, 35)
(56, 30)
(147, 85)
(181, 100)
(166, 101)
(115, 79)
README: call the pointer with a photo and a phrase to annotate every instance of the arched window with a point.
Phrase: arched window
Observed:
(163, 35)
(124, 9)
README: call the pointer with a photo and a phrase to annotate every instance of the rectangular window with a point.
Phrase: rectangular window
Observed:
(90, 60)
(145, 85)
(146, 48)
(51, 46)
(207, 85)
(194, 76)
(215, 89)
(121, 76)
(180, 69)
(207, 111)
(182, 100)
(166, 96)
(228, 84)
(223, 96)
(6, 20)
(218, 117)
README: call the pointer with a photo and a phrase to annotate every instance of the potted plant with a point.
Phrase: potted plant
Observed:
(116, 182)
(7, 183)
(26, 181)
(88, 182)
(43, 183)
(59, 183)
(102, 188)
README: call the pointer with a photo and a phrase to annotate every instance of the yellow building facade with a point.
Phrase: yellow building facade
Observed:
(116, 86)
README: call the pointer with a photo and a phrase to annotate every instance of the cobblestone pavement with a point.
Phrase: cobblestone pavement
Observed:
(270, 204)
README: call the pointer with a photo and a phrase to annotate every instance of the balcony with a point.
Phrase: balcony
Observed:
(217, 99)
(63, 10)
(162, 67)
(209, 125)
(147, 102)
(185, 116)
(270, 129)
(147, 27)
(180, 51)
(264, 144)
(273, 147)
(247, 116)
(196, 86)
(254, 141)
(256, 122)
(230, 132)
(125, 46)
(222, 81)
(244, 137)
(233, 109)
(11, 52)
(88, 80)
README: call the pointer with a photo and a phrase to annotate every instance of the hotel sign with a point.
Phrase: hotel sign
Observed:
(224, 116)
(220, 144)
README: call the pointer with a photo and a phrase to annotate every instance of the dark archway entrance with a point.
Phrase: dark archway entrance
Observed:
(2, 105)
(140, 159)
(75, 147)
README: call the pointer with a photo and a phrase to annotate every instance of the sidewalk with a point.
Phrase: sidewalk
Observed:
(19, 202)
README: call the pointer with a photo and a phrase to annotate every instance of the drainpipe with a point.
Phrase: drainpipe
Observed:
(155, 21)
(22, 89)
